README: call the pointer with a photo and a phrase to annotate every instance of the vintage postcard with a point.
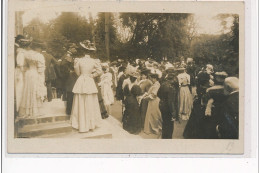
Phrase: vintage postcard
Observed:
(125, 77)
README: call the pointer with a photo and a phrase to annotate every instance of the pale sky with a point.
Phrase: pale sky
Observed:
(206, 24)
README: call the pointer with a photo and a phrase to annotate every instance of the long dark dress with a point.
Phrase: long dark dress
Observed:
(119, 89)
(210, 122)
(132, 117)
(193, 129)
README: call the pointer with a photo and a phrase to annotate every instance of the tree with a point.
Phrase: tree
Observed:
(73, 26)
(157, 35)
(220, 50)
(99, 34)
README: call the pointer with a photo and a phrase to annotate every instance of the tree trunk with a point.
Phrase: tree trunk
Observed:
(107, 35)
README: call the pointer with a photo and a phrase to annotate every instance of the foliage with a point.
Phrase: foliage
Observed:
(157, 35)
(220, 50)
(99, 34)
(66, 28)
(149, 35)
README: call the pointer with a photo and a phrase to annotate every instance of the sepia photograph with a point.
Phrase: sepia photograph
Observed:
(126, 76)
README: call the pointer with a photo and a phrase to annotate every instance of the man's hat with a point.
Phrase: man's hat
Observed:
(220, 77)
(221, 74)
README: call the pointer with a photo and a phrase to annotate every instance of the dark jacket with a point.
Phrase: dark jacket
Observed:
(58, 82)
(50, 63)
(119, 89)
(168, 95)
(69, 77)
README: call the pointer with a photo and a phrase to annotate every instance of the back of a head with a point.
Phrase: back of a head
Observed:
(231, 84)
(136, 90)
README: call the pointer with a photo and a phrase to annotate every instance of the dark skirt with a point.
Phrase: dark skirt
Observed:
(193, 129)
(132, 117)
(200, 126)
(143, 109)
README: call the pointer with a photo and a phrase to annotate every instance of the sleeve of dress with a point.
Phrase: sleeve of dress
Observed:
(41, 89)
(188, 79)
(154, 91)
(76, 66)
(179, 79)
(41, 63)
(97, 69)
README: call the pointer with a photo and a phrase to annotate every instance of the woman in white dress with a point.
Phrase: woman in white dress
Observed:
(34, 90)
(85, 114)
(106, 88)
(185, 97)
(22, 47)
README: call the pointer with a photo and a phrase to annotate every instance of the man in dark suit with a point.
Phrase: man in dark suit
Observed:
(228, 128)
(50, 74)
(69, 78)
(168, 94)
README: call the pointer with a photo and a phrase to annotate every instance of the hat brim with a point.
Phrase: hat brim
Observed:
(82, 45)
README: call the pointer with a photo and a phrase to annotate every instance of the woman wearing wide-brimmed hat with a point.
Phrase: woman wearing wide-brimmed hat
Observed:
(34, 90)
(185, 97)
(85, 115)
(213, 106)
(22, 47)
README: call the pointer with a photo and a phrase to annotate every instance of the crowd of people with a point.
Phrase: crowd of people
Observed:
(153, 95)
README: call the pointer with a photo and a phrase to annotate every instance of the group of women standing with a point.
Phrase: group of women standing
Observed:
(30, 88)
(141, 103)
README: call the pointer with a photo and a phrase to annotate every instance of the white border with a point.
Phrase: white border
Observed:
(248, 164)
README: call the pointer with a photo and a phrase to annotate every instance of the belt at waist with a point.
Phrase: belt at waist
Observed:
(86, 75)
(184, 85)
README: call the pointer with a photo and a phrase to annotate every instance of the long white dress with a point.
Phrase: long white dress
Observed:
(106, 90)
(185, 97)
(85, 113)
(19, 76)
(34, 89)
